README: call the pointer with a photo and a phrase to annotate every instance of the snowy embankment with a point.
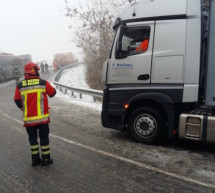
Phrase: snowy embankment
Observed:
(75, 76)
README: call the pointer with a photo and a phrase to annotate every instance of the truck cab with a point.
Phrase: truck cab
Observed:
(153, 72)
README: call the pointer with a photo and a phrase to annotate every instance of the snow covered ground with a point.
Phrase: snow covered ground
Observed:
(75, 76)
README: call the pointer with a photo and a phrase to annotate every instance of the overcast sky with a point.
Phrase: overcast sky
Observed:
(36, 27)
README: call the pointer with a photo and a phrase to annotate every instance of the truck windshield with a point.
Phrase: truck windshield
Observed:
(133, 41)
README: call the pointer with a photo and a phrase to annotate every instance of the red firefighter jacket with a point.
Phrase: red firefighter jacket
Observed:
(31, 97)
(143, 46)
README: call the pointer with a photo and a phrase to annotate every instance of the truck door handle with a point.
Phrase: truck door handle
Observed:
(143, 77)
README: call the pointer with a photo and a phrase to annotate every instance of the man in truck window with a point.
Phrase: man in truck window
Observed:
(143, 46)
(31, 98)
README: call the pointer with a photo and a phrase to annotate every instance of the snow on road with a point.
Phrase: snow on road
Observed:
(75, 76)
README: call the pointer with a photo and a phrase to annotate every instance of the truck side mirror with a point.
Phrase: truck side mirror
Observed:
(121, 54)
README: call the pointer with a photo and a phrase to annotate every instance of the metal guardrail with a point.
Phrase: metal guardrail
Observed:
(92, 92)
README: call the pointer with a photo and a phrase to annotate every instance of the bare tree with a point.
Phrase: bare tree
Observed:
(94, 33)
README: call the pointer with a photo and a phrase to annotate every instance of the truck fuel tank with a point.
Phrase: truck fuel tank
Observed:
(197, 127)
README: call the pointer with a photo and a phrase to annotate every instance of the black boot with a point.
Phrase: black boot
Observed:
(46, 158)
(35, 154)
(46, 162)
(36, 162)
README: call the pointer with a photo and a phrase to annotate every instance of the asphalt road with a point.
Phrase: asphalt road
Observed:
(91, 159)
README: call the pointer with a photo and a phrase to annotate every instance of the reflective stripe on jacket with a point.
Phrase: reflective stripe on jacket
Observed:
(31, 97)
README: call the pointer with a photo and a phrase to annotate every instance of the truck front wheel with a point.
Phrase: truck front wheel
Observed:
(147, 125)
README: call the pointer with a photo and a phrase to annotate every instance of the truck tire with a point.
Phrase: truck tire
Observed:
(2, 78)
(147, 125)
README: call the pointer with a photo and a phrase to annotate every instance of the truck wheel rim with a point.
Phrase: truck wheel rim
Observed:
(145, 125)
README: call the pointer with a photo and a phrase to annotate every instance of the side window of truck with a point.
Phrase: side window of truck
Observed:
(133, 41)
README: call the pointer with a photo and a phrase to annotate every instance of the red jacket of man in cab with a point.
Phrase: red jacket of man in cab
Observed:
(143, 46)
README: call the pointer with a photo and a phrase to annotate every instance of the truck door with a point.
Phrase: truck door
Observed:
(131, 57)
(169, 52)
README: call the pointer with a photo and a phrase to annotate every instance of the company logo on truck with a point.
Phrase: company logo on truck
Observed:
(123, 65)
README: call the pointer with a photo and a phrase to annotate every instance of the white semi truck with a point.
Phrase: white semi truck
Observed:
(160, 74)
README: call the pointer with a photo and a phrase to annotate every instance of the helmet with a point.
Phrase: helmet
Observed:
(32, 68)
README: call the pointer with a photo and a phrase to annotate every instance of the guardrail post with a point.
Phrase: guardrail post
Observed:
(65, 91)
(94, 98)
(80, 95)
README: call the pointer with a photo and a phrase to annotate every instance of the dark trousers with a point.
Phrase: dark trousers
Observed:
(43, 131)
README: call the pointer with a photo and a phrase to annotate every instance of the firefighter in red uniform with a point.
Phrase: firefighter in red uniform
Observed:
(31, 98)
